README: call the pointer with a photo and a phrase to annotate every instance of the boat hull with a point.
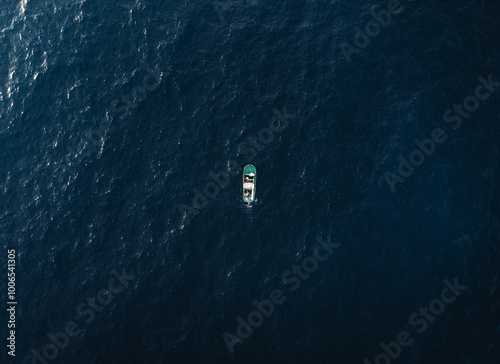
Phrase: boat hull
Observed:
(249, 183)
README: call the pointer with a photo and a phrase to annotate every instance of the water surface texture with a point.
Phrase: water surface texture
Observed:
(117, 116)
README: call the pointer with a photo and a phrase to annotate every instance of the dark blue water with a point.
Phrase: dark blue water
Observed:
(114, 114)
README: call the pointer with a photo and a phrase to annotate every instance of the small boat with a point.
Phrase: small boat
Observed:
(249, 181)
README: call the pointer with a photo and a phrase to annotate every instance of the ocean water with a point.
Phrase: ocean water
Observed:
(116, 116)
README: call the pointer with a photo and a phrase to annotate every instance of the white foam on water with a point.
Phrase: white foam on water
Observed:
(22, 7)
